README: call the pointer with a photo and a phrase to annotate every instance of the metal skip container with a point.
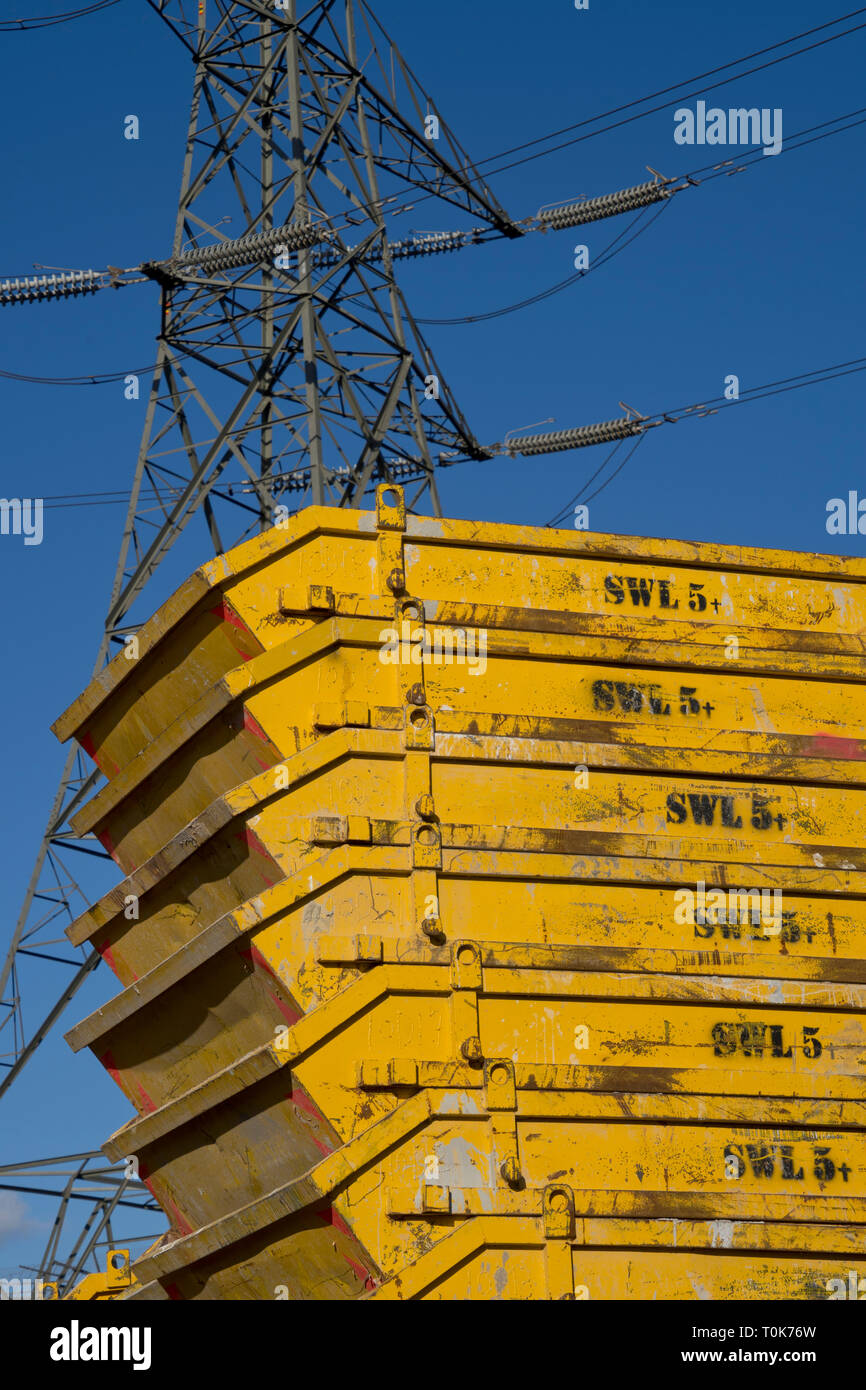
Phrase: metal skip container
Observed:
(494, 915)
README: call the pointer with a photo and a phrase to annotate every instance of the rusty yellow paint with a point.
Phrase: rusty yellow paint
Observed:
(750, 824)
(498, 1258)
(597, 924)
(540, 973)
(679, 1045)
(254, 724)
(277, 584)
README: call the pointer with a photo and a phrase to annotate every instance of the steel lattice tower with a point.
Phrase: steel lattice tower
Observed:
(289, 368)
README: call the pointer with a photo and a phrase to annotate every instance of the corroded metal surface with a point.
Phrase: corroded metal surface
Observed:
(493, 921)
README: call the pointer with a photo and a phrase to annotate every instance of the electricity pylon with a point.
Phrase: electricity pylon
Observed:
(289, 367)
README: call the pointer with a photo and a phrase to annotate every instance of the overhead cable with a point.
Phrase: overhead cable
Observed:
(46, 21)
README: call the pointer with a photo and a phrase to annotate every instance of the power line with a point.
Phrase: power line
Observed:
(45, 21)
(710, 172)
(90, 379)
(653, 110)
(752, 156)
(413, 201)
(702, 410)
(639, 115)
(757, 393)
(575, 500)
(718, 171)
(591, 120)
(711, 72)
(771, 388)
(755, 156)
(633, 450)
(44, 287)
(608, 254)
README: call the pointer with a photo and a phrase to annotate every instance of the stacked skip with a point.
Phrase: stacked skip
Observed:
(494, 920)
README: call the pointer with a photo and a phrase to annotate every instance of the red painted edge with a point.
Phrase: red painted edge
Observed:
(253, 843)
(108, 956)
(302, 1101)
(254, 727)
(258, 961)
(148, 1107)
(227, 614)
(832, 746)
(104, 838)
(332, 1217)
(107, 1060)
(251, 723)
(181, 1222)
(105, 765)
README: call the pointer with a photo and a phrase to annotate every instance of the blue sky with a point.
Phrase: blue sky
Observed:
(758, 276)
